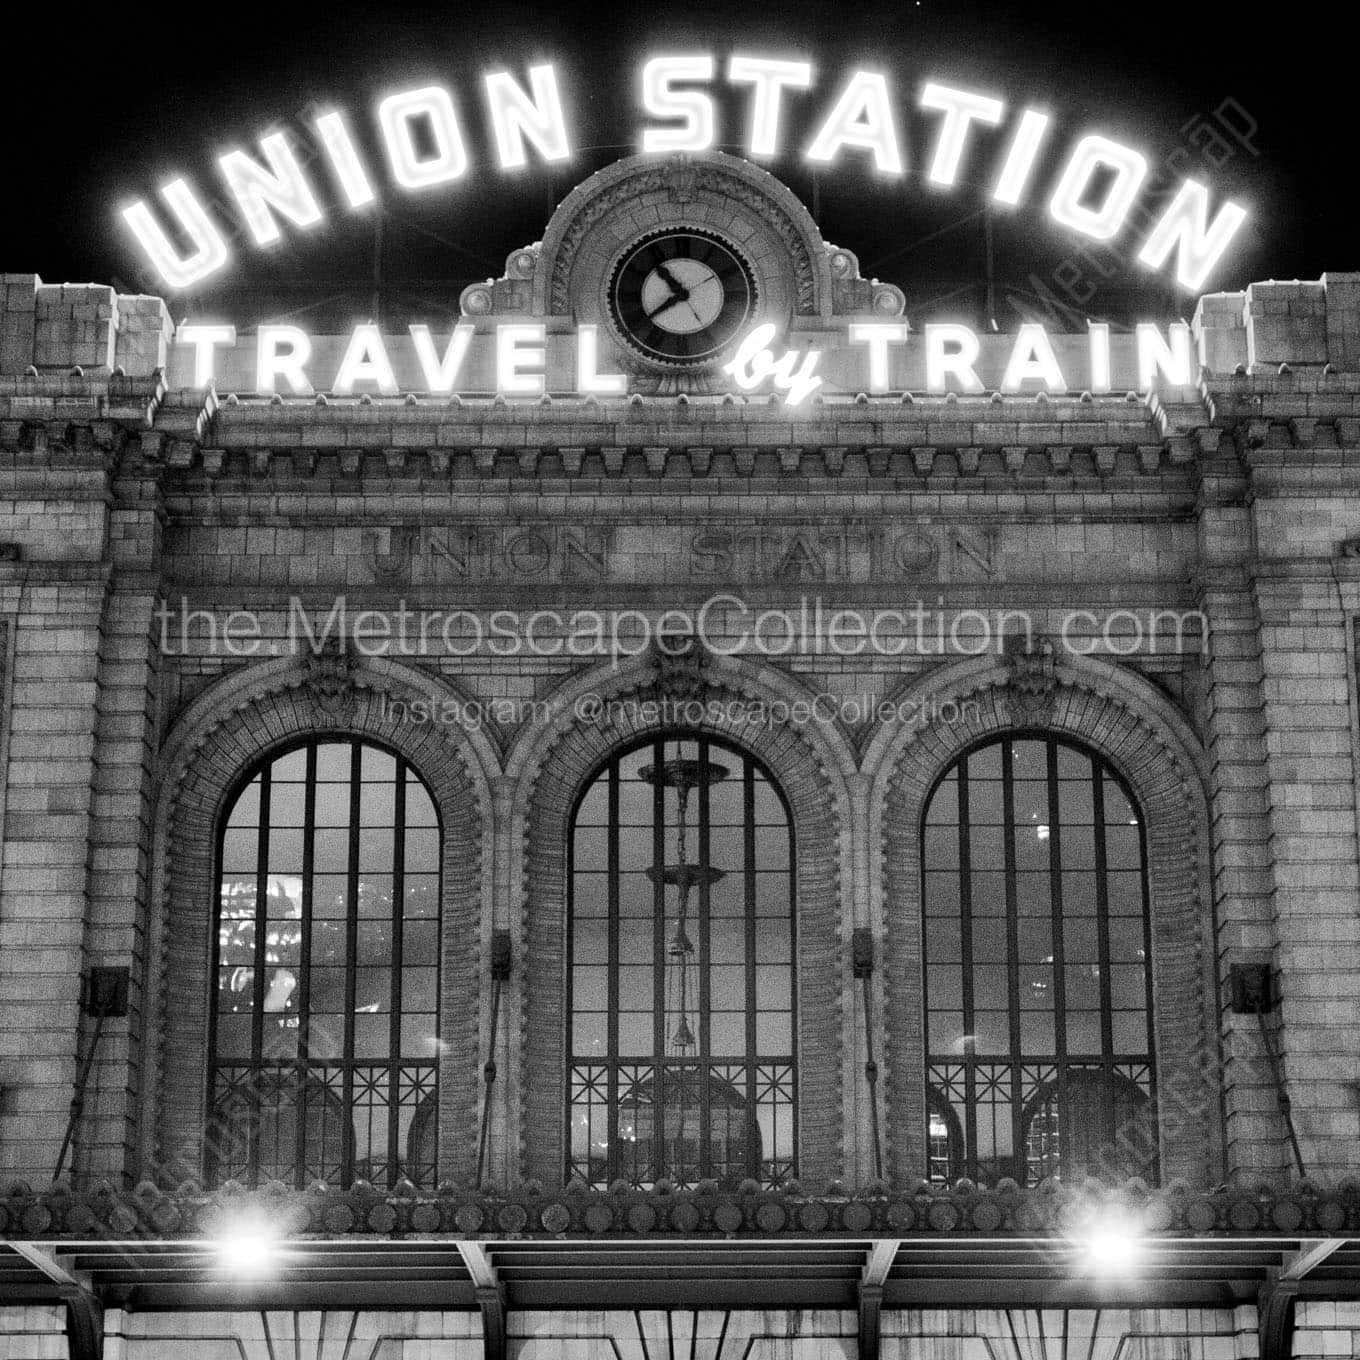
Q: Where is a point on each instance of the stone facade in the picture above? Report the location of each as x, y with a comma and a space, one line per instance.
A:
129, 498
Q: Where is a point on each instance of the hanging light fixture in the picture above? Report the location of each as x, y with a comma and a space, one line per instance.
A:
684, 775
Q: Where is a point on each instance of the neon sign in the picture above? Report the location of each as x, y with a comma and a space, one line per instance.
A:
861, 120
528, 360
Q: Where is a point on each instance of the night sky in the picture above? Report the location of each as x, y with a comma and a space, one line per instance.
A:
109, 102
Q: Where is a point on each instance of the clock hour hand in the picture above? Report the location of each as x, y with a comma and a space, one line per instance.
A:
677, 288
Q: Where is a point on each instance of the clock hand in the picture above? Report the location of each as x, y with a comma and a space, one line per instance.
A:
674, 284
665, 306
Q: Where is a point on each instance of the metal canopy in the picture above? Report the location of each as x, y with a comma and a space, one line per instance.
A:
961, 1271
577, 1249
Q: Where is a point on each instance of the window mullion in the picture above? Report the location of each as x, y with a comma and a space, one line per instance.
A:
748, 850
704, 1064
351, 962
612, 1159
305, 966
659, 1074
394, 1030
258, 981
1012, 956
969, 1000
1103, 939
1055, 865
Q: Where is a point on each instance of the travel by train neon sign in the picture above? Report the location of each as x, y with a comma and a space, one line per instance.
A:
421, 135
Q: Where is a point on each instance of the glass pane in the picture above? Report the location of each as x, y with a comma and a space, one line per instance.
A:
420, 943
333, 761
419, 808
246, 812
287, 804
985, 803
944, 805
289, 767
240, 850
332, 805
420, 893
1029, 760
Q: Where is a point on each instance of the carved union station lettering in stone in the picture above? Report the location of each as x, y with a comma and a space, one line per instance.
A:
657, 554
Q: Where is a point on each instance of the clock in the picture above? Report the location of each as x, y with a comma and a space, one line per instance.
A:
681, 297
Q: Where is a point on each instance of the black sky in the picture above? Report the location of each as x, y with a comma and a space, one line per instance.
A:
109, 101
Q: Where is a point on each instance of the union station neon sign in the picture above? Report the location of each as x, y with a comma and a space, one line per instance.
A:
859, 117
524, 359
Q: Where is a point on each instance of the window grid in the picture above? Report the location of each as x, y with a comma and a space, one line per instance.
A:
313, 1094
1037, 978
701, 1084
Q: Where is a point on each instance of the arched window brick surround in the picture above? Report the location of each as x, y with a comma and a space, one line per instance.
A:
548, 787
229, 728
1128, 722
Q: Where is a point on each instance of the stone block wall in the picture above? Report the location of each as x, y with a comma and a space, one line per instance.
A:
1326, 1331
62, 326
116, 496
35, 1332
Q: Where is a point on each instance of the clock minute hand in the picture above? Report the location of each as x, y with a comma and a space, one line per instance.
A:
670, 302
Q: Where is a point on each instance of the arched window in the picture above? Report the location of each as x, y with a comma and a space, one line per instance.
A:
1037, 968
325, 1027
681, 1049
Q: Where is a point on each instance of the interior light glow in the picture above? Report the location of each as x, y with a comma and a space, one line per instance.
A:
588, 377
960, 108
205, 340
1088, 156
770, 78
520, 349
449, 159
692, 108
1098, 342
517, 116
1024, 151
951, 351
878, 336
1032, 359
344, 157
1184, 228
365, 360
261, 191
282, 352
861, 117
441, 374
210, 250
1170, 357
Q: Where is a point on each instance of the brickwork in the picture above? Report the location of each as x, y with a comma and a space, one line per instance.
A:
123, 490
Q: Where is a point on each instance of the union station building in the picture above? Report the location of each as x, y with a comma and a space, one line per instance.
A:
690, 870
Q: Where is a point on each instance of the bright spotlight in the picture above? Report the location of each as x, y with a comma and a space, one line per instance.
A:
248, 1248
1112, 1245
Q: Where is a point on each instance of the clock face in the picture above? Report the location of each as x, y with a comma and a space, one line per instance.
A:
681, 297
